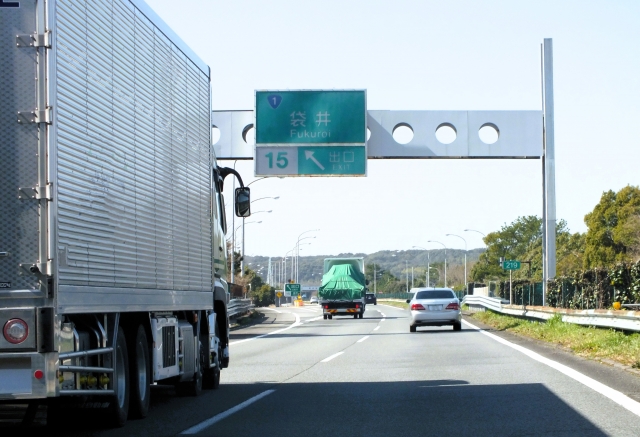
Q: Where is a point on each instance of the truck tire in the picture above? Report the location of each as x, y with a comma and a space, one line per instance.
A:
211, 376
119, 408
330, 316
360, 315
324, 316
355, 316
140, 374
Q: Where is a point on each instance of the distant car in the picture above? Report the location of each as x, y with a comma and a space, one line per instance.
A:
313, 299
434, 307
371, 298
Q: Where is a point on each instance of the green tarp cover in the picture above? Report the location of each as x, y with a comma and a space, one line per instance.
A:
342, 282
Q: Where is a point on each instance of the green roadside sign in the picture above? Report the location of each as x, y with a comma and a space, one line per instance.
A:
293, 288
511, 265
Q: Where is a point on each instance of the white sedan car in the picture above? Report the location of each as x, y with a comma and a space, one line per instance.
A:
313, 299
434, 307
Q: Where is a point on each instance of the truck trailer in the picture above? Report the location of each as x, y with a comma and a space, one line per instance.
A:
112, 251
343, 288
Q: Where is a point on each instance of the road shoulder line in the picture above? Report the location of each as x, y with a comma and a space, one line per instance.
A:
614, 395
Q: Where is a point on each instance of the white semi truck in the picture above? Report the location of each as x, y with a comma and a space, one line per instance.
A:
112, 252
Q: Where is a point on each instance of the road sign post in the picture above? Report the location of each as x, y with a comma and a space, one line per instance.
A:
511, 265
310, 133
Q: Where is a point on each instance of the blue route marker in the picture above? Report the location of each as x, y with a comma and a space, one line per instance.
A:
274, 100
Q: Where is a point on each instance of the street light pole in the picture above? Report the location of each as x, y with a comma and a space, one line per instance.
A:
242, 253
298, 252
465, 259
428, 262
445, 260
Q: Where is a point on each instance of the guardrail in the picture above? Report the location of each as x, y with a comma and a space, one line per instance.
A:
626, 320
238, 307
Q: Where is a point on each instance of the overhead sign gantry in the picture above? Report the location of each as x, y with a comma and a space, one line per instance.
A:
519, 135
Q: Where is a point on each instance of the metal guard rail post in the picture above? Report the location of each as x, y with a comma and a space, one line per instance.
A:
238, 307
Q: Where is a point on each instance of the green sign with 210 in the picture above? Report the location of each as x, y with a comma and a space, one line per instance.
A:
337, 117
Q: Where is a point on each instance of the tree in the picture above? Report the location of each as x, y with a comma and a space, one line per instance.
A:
522, 241
612, 235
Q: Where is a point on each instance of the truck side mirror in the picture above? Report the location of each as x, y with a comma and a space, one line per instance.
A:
243, 202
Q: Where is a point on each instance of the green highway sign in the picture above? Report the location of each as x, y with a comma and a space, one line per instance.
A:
511, 265
337, 117
311, 160
292, 288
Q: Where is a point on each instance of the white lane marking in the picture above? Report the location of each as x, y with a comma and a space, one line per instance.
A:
270, 309
314, 319
362, 339
218, 417
383, 320
376, 328
331, 357
383, 314
293, 325
617, 397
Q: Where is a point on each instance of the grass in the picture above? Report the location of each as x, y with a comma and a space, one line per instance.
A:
588, 342
393, 303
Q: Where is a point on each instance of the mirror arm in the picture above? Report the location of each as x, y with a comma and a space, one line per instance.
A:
226, 171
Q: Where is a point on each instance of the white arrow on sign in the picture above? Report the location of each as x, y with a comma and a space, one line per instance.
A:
309, 155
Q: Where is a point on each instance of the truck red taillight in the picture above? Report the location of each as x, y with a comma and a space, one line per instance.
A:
15, 331
417, 307
357, 305
326, 307
453, 306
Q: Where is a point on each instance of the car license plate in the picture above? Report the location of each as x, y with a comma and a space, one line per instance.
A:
435, 307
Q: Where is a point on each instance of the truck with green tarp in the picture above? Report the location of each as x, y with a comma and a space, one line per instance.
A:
343, 288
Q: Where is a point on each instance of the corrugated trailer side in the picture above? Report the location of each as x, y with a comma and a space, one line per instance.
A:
131, 132
112, 261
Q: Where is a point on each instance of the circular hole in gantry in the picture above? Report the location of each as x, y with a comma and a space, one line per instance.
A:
489, 133
402, 133
446, 133
368, 134
248, 134
215, 134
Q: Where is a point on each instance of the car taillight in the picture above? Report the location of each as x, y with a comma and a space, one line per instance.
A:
417, 307
453, 306
15, 331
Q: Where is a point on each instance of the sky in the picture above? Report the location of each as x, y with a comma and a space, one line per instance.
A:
426, 55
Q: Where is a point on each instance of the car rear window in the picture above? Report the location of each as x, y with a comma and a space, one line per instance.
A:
435, 294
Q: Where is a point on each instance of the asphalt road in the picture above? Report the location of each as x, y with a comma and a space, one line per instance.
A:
296, 374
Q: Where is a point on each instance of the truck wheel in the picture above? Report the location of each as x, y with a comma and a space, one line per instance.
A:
119, 408
140, 373
330, 316
360, 315
355, 316
324, 316
211, 376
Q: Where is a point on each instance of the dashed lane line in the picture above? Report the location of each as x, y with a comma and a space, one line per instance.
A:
326, 360
218, 417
